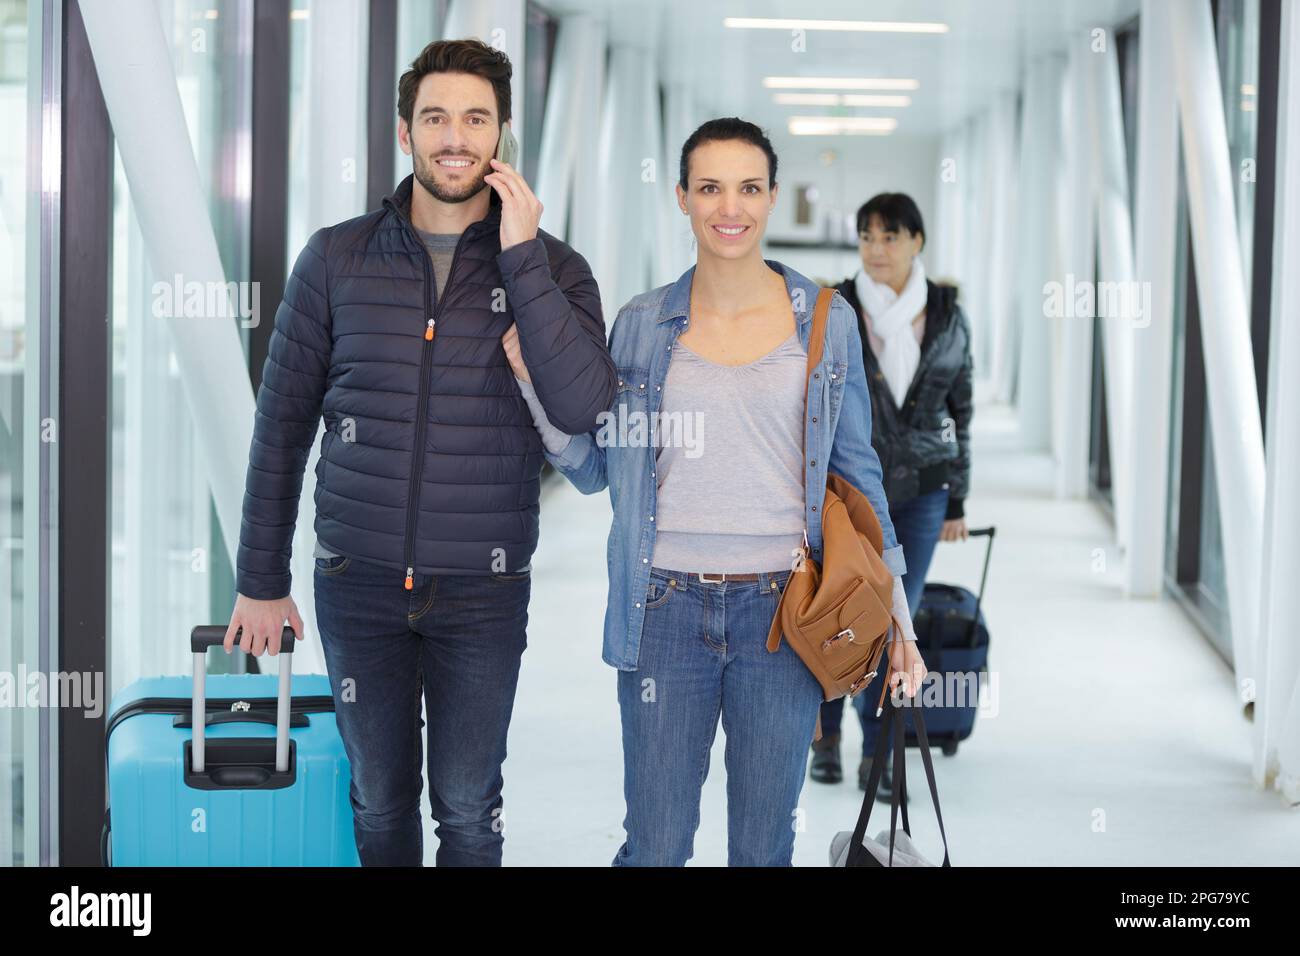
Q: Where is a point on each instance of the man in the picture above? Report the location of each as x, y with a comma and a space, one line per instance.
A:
392, 327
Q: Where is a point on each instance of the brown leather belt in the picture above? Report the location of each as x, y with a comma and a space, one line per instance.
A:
705, 577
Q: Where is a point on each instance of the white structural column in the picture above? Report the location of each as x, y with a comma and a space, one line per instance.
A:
1115, 267
572, 99
1000, 299
586, 215
941, 249
1153, 343
1277, 709
973, 265
681, 117
499, 24
136, 74
626, 157
1074, 381
1225, 324
1036, 222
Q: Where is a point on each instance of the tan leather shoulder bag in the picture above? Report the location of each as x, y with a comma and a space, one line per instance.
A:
836, 615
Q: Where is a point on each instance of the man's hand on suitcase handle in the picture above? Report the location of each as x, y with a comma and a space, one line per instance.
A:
262, 623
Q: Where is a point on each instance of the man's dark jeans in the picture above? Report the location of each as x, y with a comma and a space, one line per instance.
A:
458, 640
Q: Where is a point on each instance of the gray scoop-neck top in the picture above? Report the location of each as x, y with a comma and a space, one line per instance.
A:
729, 462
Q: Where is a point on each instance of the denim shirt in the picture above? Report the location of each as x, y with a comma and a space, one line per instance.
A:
837, 437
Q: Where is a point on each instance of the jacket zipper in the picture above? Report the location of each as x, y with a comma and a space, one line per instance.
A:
422, 400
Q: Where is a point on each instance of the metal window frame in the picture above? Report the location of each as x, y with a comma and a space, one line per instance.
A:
1261, 278
84, 397
269, 202
41, 457
381, 100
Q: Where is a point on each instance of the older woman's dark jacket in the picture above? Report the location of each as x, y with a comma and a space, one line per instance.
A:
925, 444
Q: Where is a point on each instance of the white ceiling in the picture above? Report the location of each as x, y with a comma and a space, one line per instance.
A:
982, 54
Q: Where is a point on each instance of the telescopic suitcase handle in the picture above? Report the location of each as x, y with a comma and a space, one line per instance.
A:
988, 532
211, 635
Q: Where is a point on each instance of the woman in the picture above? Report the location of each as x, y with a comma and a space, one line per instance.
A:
706, 525
918, 363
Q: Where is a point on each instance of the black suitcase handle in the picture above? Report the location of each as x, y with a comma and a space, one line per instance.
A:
240, 717
214, 635
203, 636
989, 532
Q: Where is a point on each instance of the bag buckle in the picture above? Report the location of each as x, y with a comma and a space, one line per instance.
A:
860, 683
826, 644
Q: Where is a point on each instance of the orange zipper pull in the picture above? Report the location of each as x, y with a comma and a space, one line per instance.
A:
410, 579
428, 332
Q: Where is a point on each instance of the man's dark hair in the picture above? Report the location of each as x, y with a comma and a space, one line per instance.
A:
456, 56
896, 212
730, 127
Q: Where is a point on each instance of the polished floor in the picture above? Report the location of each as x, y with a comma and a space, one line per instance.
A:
1112, 735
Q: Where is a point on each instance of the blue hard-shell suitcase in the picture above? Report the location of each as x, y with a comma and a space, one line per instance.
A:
953, 639
264, 782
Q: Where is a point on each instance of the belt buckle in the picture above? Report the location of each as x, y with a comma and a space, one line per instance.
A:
707, 580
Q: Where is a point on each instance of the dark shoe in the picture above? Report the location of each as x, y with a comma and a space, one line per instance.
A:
826, 766
886, 792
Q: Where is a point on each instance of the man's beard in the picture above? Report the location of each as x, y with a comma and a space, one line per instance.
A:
424, 175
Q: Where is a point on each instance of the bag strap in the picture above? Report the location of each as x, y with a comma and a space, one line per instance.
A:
856, 850
924, 741
889, 665
900, 783
894, 722
816, 338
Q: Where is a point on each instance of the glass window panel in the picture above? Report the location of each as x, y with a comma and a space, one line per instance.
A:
327, 116
170, 568
20, 373
1238, 38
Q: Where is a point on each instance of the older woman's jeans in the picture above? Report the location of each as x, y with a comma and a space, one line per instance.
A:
704, 656
457, 641
917, 523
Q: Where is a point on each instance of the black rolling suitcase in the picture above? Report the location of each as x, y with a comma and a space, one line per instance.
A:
953, 638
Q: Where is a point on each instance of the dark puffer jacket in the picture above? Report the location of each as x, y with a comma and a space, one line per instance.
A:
926, 443
350, 344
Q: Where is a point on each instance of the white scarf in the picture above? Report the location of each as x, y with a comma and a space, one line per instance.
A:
889, 316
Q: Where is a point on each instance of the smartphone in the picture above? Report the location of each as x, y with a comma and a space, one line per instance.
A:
508, 147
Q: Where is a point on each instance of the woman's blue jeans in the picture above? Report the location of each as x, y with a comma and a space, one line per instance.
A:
704, 657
